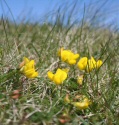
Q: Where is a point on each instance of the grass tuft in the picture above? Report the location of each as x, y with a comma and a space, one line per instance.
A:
39, 100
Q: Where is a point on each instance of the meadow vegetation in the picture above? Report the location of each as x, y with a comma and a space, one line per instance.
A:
33, 92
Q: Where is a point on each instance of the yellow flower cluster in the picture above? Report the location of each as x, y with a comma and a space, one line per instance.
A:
88, 64
28, 69
83, 64
68, 56
82, 104
61, 74
58, 77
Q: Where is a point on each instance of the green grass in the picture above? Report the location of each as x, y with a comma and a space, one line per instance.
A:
41, 101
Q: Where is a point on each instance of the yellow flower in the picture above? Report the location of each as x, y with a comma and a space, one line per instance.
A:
82, 104
80, 79
82, 64
58, 77
68, 56
91, 64
88, 64
98, 63
28, 69
25, 61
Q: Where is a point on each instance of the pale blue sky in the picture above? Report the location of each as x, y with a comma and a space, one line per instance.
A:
34, 10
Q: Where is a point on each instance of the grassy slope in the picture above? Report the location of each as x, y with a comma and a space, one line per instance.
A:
41, 101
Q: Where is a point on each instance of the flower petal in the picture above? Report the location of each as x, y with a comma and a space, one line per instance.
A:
71, 62
50, 75
26, 60
82, 63
99, 63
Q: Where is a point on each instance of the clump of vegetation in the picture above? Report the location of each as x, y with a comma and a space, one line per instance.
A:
56, 74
